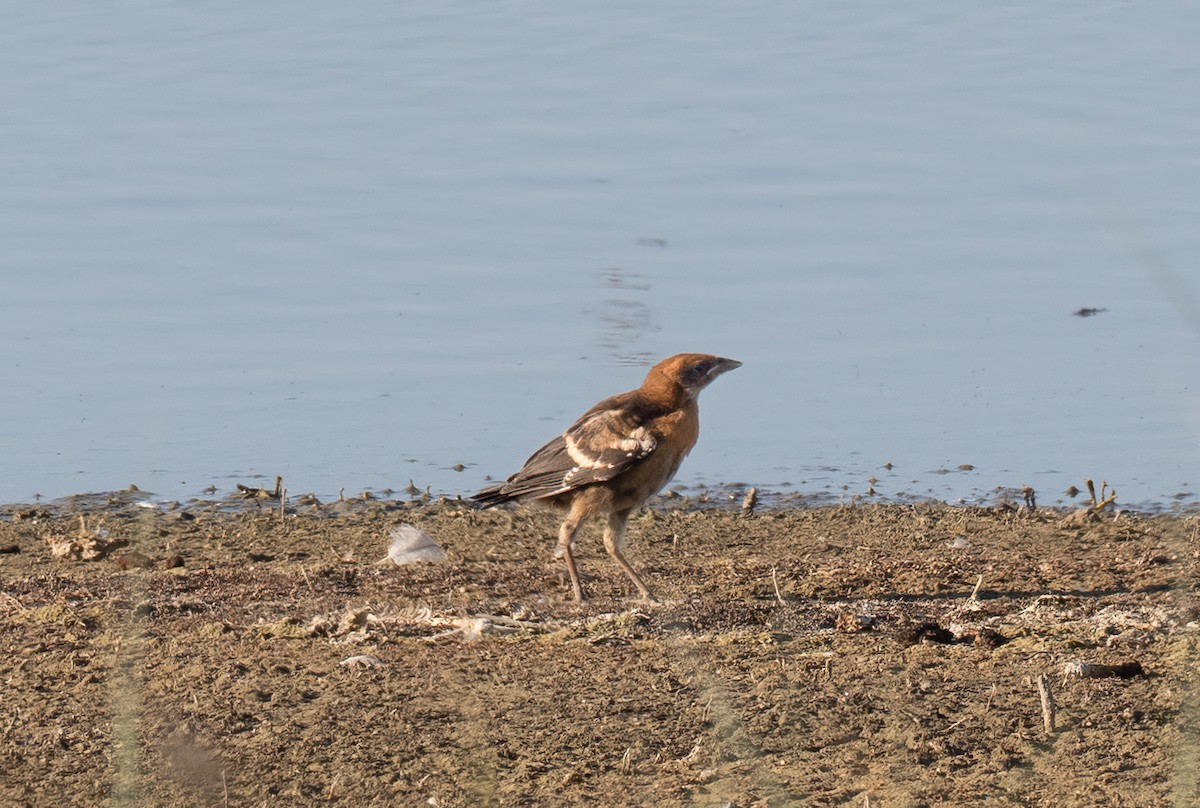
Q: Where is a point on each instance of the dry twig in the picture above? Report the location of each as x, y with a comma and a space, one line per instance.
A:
1048, 706
1101, 502
975, 592
775, 580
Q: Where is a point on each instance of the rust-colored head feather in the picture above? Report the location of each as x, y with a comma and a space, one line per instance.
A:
688, 373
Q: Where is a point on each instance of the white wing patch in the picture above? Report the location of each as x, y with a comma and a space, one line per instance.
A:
639, 443
581, 458
597, 449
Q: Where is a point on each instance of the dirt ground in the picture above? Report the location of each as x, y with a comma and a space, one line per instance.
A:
834, 655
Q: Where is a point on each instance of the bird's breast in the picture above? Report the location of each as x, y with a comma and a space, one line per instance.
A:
676, 434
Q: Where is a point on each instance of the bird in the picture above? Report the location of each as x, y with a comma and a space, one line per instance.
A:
616, 456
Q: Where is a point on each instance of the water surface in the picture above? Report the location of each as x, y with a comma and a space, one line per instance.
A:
360, 245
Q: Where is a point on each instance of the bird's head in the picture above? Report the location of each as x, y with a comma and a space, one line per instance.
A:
691, 371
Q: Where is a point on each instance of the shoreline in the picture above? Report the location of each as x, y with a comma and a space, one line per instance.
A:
727, 496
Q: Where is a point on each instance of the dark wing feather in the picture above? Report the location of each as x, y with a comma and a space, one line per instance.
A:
606, 441
542, 472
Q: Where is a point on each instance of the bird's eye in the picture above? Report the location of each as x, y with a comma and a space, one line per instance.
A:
702, 368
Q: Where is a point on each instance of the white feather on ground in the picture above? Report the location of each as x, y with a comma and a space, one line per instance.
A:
410, 545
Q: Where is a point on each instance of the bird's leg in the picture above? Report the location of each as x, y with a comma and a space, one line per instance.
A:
566, 537
614, 540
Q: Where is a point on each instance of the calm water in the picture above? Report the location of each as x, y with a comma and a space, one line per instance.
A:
355, 245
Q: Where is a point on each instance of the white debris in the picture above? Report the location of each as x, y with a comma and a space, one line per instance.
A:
472, 629
410, 545
362, 661
90, 544
1088, 670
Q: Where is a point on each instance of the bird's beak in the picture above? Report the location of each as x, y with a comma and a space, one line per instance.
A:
724, 366
716, 366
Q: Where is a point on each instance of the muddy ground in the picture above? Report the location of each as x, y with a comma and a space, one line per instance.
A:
821, 656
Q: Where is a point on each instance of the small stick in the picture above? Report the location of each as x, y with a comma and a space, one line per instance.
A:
775, 580
975, 591
1048, 707
959, 721
1101, 502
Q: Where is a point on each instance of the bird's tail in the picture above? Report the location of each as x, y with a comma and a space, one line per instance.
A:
492, 496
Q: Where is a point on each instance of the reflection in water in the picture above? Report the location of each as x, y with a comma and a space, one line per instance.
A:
625, 320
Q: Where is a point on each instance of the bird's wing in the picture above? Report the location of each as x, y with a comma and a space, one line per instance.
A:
604, 444
607, 440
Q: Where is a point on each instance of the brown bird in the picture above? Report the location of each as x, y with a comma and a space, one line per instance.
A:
616, 456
